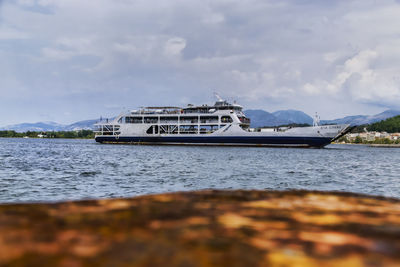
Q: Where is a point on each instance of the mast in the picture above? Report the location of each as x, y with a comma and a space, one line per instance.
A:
316, 120
219, 98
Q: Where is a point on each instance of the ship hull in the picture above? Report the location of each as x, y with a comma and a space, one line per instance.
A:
275, 141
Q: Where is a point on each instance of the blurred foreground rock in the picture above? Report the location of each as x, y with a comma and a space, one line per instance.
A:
206, 228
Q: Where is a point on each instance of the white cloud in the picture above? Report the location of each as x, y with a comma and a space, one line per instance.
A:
311, 89
57, 54
364, 80
174, 46
360, 62
126, 48
213, 18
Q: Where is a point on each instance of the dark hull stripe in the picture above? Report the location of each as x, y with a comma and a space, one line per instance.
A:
222, 140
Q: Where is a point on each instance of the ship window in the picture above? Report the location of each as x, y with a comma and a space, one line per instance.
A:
207, 129
188, 129
168, 119
226, 119
168, 129
188, 119
107, 129
209, 119
150, 119
244, 120
133, 119
152, 130
173, 129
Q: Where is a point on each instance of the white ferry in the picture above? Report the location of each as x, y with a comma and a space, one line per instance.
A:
221, 124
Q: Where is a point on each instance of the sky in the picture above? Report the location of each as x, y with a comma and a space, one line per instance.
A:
71, 60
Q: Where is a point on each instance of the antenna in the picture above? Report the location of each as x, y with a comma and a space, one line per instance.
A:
218, 97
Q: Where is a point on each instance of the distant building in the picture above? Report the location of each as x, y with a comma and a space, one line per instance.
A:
372, 136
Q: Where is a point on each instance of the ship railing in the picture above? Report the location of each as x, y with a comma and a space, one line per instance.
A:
169, 121
107, 129
155, 113
208, 121
197, 111
187, 121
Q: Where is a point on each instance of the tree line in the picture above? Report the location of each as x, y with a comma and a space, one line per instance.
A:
391, 125
85, 134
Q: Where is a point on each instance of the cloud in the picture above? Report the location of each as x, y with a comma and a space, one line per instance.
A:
357, 65
8, 33
57, 54
364, 80
310, 55
174, 46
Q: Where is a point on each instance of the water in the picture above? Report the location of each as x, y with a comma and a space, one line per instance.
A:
58, 169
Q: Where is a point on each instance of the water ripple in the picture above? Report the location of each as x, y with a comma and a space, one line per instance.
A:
51, 170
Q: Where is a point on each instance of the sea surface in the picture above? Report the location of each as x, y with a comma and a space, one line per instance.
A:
38, 170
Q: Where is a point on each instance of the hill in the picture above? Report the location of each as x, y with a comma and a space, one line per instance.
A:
293, 116
260, 118
34, 127
391, 125
363, 119
81, 125
50, 126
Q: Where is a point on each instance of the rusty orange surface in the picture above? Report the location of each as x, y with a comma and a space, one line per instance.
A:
205, 228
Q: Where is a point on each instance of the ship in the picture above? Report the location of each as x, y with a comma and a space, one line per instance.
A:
221, 124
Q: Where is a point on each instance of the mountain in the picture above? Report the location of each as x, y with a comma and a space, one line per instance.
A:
50, 126
293, 116
81, 125
260, 118
353, 120
34, 127
363, 119
384, 115
391, 125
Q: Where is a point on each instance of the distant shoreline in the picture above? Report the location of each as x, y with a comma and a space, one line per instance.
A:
18, 137
81, 134
370, 145
384, 145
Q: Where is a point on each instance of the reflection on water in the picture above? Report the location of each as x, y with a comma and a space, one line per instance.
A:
55, 169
